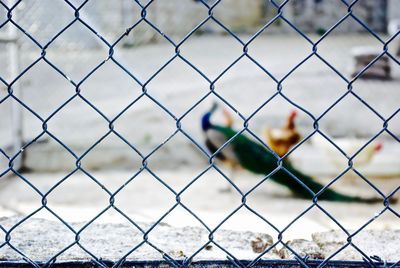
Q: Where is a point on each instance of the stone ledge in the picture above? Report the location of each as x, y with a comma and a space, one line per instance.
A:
42, 239
207, 264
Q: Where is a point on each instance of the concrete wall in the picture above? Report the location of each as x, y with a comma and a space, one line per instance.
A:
177, 18
318, 15
393, 9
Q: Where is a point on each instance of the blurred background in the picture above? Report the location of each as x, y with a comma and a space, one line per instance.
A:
112, 89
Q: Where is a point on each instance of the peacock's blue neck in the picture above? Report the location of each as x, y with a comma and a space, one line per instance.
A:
205, 121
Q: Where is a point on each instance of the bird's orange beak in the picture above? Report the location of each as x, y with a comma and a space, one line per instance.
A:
378, 147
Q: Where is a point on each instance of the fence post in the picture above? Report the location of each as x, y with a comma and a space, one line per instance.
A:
16, 109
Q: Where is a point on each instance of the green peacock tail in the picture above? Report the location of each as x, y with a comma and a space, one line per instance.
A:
257, 159
327, 194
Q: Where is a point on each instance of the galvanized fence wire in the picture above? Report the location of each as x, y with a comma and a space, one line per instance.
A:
213, 91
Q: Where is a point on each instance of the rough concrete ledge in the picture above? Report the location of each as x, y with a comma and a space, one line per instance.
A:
40, 240
213, 264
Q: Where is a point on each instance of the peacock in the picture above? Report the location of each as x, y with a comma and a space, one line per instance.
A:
245, 153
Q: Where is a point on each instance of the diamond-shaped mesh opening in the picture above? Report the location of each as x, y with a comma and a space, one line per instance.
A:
202, 203
239, 244
366, 89
190, 47
229, 15
67, 56
66, 132
143, 61
182, 131
179, 244
57, 88
113, 145
25, 204
150, 137
193, 13
166, 81
235, 80
90, 236
111, 25
71, 183
279, 213
263, 49
124, 87
333, 86
57, 14
144, 182
27, 56
192, 154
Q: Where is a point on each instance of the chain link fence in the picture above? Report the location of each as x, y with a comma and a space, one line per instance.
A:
71, 38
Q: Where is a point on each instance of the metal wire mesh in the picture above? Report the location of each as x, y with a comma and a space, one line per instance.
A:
209, 6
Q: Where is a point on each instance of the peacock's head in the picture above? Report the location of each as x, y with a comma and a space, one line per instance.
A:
205, 120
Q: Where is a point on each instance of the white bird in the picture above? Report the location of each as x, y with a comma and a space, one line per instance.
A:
350, 146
